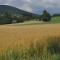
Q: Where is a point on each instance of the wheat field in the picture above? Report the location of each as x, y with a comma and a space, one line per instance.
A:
22, 36
29, 42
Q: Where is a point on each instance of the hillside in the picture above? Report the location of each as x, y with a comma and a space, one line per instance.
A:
14, 10
9, 14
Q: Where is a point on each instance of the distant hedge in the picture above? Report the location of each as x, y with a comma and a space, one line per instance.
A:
5, 21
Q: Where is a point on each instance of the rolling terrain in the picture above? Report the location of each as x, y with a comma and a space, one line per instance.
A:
14, 11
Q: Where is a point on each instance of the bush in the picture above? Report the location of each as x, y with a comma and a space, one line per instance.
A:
20, 20
5, 21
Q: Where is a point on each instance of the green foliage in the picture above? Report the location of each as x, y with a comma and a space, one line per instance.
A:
56, 15
5, 21
6, 18
20, 19
46, 16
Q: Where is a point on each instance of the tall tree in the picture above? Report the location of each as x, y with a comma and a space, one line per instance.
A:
8, 16
46, 16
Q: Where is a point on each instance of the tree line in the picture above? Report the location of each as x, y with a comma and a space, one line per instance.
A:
10, 18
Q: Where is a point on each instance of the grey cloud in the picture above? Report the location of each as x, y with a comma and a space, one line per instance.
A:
46, 3
22, 4
30, 4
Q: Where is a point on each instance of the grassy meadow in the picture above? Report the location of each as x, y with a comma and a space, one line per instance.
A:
30, 42
55, 19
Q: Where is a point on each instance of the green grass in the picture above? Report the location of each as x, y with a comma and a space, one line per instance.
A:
55, 20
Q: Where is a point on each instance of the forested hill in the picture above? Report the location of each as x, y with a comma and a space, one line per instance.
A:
14, 10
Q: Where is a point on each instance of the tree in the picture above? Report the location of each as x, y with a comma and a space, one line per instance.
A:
8, 17
40, 17
46, 16
20, 19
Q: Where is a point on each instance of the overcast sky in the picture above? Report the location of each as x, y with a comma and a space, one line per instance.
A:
30, 5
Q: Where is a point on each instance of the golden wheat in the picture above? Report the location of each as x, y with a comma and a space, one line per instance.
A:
16, 37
